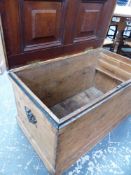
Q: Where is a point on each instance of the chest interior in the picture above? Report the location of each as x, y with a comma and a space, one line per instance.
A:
67, 84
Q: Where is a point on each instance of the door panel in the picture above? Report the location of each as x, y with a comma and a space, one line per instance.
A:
42, 21
36, 30
88, 19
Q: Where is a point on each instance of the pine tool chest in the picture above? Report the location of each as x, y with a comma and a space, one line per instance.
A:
69, 91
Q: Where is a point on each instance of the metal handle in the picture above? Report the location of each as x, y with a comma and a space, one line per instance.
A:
30, 116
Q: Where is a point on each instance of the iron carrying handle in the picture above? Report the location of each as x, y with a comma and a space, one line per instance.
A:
30, 116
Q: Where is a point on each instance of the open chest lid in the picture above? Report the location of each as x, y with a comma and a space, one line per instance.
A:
45, 29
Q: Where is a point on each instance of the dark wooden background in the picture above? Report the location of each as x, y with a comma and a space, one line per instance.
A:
43, 29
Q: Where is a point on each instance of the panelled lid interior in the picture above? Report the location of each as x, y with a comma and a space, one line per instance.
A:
45, 29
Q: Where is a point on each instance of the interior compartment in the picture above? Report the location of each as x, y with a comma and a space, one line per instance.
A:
67, 84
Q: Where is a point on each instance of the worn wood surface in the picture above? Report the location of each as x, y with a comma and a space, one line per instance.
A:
73, 103
42, 135
83, 121
80, 136
105, 82
116, 66
41, 30
73, 75
118, 57
70, 75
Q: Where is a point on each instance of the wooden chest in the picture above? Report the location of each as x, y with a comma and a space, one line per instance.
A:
67, 104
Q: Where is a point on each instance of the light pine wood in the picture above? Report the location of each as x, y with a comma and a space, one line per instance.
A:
117, 62
104, 82
57, 76
112, 56
76, 100
42, 135
94, 86
80, 136
117, 71
71, 104
80, 69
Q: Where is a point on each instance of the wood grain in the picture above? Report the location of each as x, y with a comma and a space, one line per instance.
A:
60, 74
41, 135
41, 30
75, 102
88, 94
64, 74
81, 135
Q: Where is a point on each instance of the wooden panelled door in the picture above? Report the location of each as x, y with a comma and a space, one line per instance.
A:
44, 29
42, 23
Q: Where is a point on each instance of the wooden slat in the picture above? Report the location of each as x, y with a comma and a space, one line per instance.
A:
73, 103
117, 62
104, 71
112, 55
117, 71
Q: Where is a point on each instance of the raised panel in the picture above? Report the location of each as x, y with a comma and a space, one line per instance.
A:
88, 19
36, 30
42, 24
89, 23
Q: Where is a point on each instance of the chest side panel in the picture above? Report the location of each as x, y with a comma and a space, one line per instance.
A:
80, 136
39, 131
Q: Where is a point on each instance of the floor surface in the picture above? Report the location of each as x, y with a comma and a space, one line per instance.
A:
110, 157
